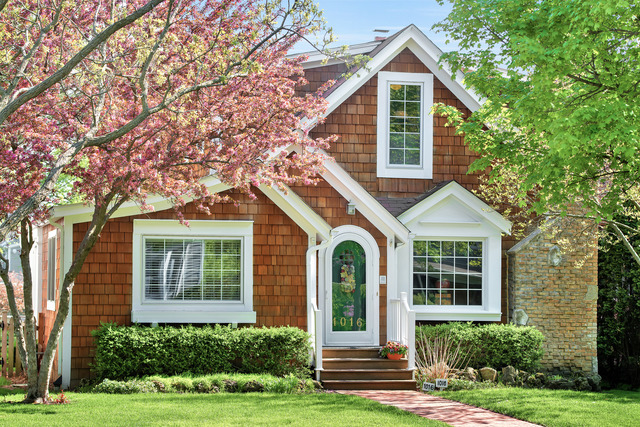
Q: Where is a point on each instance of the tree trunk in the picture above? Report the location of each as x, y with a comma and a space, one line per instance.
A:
38, 378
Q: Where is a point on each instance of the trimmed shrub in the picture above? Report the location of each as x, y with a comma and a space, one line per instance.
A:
494, 345
215, 383
125, 387
133, 351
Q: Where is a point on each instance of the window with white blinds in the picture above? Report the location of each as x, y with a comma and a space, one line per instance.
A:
192, 269
196, 273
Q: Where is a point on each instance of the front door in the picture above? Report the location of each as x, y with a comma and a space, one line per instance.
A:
351, 289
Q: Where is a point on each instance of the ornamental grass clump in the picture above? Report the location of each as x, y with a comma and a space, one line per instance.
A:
393, 347
438, 356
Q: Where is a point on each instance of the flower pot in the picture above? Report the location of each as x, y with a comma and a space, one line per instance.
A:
394, 356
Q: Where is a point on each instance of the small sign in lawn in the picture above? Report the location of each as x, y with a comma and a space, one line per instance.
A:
428, 386
442, 383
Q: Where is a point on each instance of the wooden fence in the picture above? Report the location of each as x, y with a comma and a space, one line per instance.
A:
9, 357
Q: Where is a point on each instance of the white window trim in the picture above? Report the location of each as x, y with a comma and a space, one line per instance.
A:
491, 273
197, 312
51, 304
384, 169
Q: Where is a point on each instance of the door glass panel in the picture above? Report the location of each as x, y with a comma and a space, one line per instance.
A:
349, 289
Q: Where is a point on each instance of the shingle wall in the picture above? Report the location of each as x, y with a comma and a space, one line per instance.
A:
355, 122
102, 292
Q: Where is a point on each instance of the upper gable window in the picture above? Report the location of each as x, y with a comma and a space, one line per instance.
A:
405, 127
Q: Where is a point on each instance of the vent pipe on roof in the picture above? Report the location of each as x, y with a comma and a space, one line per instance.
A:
380, 38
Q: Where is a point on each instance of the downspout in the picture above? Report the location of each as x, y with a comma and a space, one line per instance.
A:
65, 331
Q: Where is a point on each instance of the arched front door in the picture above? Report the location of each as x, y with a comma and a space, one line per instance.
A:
351, 288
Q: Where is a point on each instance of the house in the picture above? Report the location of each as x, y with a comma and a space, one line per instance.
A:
391, 235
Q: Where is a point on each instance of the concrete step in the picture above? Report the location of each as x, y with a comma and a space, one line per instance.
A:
369, 385
367, 374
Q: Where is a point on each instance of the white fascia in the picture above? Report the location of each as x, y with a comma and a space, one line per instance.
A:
415, 40
464, 196
301, 213
353, 192
82, 212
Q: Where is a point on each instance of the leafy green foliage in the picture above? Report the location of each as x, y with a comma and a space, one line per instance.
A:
493, 345
133, 351
216, 383
125, 387
619, 313
560, 83
456, 384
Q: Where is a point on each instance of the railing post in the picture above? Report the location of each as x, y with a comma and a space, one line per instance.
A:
318, 315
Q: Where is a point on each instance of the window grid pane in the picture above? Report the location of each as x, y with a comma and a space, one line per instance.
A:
405, 123
193, 270
447, 273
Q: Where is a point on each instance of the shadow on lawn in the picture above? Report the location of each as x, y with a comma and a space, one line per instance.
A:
320, 402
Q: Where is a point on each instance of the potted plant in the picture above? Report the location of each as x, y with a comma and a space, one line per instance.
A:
393, 350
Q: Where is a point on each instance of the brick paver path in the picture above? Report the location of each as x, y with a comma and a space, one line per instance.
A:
437, 408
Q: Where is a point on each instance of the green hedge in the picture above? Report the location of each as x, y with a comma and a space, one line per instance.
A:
493, 345
134, 351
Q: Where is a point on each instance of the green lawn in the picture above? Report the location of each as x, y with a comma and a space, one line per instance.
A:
557, 408
208, 409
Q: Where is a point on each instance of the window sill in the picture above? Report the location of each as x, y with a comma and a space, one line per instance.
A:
168, 316
409, 173
456, 314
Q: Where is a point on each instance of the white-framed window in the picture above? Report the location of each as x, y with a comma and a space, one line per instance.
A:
202, 273
448, 272
405, 125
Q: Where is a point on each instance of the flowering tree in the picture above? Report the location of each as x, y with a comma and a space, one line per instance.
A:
125, 99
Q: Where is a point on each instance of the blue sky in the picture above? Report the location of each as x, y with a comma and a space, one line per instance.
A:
353, 21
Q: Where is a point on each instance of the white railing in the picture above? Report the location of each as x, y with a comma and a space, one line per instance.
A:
402, 325
316, 327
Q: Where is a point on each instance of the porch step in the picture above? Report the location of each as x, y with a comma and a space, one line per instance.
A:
350, 352
358, 368
363, 363
370, 385
367, 374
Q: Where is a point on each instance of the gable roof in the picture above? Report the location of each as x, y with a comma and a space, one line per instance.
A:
397, 206
289, 202
453, 191
408, 38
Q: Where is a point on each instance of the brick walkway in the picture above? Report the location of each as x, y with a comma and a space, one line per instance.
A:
437, 408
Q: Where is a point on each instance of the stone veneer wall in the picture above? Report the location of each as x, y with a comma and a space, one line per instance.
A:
561, 301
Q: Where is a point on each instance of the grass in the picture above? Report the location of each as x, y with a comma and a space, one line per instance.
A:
252, 409
557, 408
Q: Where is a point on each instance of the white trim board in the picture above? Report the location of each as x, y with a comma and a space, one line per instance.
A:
373, 211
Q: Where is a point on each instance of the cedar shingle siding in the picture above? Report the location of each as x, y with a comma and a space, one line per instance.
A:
102, 292
355, 121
